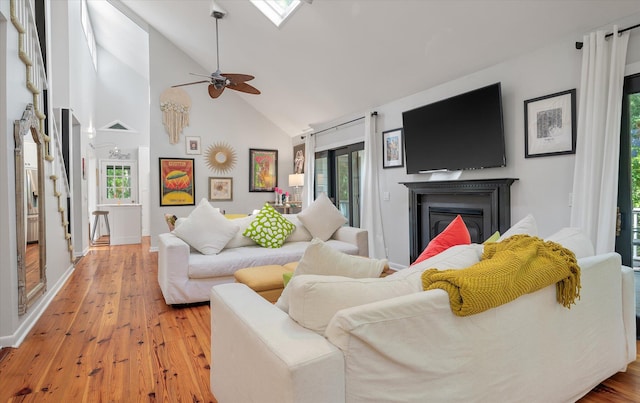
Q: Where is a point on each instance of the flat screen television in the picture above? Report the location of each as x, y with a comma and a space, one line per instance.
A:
461, 132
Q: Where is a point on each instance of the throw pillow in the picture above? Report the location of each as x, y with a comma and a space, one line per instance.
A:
526, 226
322, 218
456, 257
315, 299
319, 258
239, 239
456, 233
300, 234
269, 228
493, 238
575, 240
206, 229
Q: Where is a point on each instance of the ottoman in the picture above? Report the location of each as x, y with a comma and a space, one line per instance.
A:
265, 280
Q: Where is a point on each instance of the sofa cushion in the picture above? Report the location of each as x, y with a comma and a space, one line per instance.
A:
206, 229
456, 233
320, 258
322, 218
239, 239
269, 228
300, 234
314, 299
575, 240
228, 261
526, 226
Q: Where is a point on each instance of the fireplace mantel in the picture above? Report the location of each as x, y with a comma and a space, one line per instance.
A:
485, 204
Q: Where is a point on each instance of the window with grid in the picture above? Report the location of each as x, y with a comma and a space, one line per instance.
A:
119, 182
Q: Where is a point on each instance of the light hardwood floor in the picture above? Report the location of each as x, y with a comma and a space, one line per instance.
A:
109, 336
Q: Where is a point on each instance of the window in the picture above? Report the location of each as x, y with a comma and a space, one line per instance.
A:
88, 32
276, 10
338, 173
118, 181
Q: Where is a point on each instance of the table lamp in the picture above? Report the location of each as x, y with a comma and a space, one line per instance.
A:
296, 181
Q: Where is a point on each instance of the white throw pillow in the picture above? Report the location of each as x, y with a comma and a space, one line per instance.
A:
575, 240
300, 234
322, 218
526, 226
320, 258
239, 239
456, 257
315, 299
206, 229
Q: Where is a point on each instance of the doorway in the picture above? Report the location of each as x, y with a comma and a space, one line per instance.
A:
628, 229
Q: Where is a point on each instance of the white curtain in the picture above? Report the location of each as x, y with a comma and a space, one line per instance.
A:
370, 213
309, 169
595, 182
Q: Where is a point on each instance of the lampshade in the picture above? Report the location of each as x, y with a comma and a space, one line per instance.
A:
296, 180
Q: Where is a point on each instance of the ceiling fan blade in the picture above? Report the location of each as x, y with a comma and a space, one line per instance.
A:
238, 78
215, 92
244, 87
195, 82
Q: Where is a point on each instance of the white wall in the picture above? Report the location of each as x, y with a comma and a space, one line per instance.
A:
123, 96
72, 85
226, 119
544, 184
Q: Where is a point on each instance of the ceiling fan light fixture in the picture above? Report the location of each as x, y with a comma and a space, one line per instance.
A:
219, 81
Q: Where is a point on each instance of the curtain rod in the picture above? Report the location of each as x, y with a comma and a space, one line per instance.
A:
579, 44
374, 113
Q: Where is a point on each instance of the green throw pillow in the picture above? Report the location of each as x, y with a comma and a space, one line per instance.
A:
286, 277
493, 238
269, 229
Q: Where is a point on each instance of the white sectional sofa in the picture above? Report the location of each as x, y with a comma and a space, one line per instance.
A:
187, 275
412, 348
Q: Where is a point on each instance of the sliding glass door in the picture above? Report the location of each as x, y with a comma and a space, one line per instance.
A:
628, 232
338, 173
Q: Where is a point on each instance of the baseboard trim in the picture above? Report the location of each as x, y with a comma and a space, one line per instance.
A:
35, 312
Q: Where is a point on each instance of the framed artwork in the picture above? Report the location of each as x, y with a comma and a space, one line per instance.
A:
298, 159
192, 144
177, 185
392, 148
550, 125
263, 170
220, 189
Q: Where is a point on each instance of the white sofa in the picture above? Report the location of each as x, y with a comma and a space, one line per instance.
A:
186, 275
412, 348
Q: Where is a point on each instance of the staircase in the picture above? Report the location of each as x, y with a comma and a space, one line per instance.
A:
23, 19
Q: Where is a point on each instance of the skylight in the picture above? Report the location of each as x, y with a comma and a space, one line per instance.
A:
276, 10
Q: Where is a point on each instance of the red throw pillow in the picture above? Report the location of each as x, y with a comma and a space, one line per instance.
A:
456, 233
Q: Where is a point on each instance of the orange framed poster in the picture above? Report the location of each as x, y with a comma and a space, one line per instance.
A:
177, 186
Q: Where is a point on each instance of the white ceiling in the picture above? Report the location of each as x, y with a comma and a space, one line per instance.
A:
334, 58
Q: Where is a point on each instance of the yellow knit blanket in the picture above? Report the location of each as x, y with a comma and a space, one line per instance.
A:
516, 266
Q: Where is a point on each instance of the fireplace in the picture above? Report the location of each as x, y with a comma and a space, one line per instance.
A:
484, 205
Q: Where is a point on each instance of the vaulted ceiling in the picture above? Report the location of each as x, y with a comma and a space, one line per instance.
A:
333, 58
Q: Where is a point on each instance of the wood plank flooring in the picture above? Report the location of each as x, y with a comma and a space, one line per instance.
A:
109, 336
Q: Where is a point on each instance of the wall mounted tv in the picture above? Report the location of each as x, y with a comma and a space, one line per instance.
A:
461, 132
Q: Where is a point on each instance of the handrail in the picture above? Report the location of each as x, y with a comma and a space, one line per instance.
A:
57, 145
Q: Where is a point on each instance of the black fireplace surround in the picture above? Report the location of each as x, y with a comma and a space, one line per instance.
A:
484, 205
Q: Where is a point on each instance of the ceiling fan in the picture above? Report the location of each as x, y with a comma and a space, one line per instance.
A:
219, 81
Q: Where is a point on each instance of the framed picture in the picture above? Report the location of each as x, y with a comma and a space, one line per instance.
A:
263, 170
192, 144
221, 189
550, 125
298, 159
177, 185
392, 149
